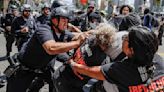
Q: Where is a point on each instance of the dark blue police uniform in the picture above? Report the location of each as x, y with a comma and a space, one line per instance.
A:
43, 19
32, 56
20, 23
10, 38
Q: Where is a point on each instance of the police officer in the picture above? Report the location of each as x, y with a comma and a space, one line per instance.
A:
7, 24
23, 26
38, 83
45, 17
1, 17
161, 30
41, 49
59, 36
84, 24
94, 19
13, 2
57, 3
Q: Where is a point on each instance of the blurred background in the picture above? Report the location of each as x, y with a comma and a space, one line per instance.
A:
157, 6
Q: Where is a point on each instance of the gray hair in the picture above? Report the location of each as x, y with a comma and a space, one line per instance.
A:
105, 33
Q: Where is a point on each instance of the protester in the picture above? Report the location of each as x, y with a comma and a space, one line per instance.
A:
126, 9
128, 21
139, 45
91, 53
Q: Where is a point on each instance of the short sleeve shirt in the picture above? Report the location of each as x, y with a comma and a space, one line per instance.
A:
32, 53
123, 74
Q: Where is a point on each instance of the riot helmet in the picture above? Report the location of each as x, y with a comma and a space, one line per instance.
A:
46, 5
26, 7
14, 10
58, 15
13, 7
60, 12
46, 9
57, 3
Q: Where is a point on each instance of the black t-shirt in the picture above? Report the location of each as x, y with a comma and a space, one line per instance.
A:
33, 54
8, 19
43, 19
92, 55
19, 23
131, 78
123, 74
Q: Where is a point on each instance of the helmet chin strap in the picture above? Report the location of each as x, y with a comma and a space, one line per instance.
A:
57, 26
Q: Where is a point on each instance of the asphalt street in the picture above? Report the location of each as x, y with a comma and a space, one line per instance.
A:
4, 63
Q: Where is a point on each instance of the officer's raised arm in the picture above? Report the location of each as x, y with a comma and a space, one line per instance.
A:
52, 47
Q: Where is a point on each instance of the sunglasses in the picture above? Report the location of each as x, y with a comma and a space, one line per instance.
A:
125, 38
91, 7
27, 10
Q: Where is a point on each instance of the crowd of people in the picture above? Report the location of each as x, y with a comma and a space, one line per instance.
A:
98, 54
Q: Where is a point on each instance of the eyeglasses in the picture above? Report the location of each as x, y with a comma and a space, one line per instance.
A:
125, 38
27, 10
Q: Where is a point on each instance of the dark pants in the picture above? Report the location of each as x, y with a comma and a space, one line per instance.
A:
20, 81
160, 37
23, 79
21, 41
65, 80
161, 29
9, 41
39, 81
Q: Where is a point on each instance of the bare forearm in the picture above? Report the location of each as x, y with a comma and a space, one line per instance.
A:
59, 47
76, 29
94, 72
63, 47
73, 28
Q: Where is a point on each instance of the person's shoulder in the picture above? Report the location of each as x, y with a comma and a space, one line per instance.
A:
121, 33
43, 27
39, 17
31, 18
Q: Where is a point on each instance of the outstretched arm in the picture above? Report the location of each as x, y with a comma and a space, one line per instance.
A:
94, 72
